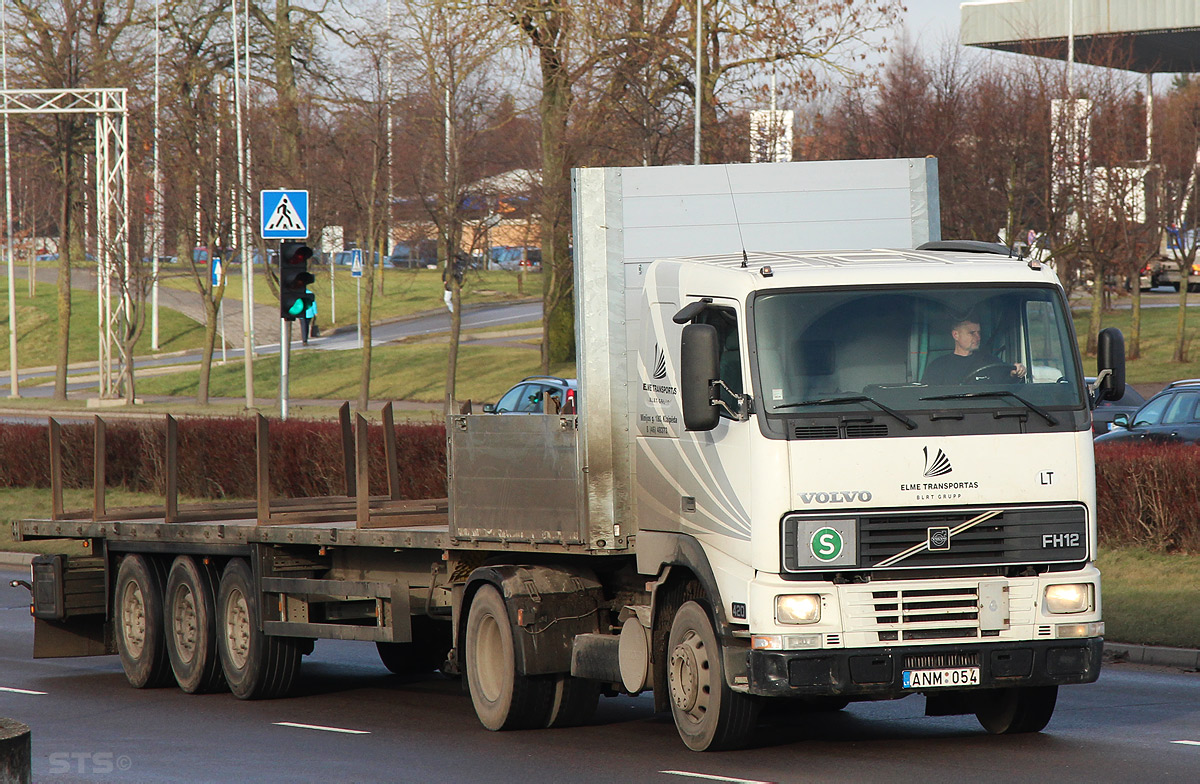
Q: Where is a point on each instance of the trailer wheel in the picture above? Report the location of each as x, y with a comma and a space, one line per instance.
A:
431, 643
709, 715
190, 613
504, 699
1015, 710
138, 619
256, 666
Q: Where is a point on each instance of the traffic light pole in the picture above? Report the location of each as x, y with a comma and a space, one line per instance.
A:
285, 351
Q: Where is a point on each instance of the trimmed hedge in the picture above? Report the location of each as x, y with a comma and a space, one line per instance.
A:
217, 460
1149, 496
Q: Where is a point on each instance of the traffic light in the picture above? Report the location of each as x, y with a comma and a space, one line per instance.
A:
294, 278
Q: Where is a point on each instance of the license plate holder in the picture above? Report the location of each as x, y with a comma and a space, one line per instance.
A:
943, 678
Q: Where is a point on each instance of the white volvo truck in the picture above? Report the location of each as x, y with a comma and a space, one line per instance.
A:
821, 476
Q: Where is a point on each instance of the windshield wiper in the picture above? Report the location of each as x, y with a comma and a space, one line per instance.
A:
829, 401
1043, 413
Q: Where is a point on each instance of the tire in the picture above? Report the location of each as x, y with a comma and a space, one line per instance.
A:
708, 714
256, 666
138, 622
504, 699
575, 701
190, 620
1015, 710
431, 643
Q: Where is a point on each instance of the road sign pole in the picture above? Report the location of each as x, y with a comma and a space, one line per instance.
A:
285, 349
221, 316
358, 309
332, 294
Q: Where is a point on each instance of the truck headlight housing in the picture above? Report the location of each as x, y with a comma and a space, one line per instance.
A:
798, 608
1068, 598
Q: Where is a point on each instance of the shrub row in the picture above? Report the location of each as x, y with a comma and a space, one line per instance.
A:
1149, 496
216, 458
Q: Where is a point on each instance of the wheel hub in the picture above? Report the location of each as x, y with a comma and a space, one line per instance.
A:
184, 623
687, 661
133, 619
237, 629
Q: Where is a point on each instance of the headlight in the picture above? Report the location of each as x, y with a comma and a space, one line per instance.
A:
803, 608
1068, 598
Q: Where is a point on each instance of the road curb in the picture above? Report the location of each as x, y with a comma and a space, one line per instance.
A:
16, 559
1157, 655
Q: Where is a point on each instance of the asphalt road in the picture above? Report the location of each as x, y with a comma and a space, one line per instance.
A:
89, 725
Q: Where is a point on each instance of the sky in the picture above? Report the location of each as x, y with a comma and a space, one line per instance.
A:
930, 22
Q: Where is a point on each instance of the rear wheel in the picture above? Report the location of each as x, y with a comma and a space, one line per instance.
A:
504, 699
256, 666
190, 614
1015, 710
138, 620
709, 715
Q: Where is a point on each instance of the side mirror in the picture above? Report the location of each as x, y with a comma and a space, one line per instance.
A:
699, 360
489, 408
1121, 420
1110, 356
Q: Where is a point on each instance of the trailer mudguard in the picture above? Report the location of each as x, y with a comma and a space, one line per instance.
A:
547, 607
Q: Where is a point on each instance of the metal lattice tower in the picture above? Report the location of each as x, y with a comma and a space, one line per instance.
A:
110, 107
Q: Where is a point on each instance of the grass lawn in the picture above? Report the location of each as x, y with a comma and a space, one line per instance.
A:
17, 503
399, 372
1157, 339
1150, 598
404, 291
37, 324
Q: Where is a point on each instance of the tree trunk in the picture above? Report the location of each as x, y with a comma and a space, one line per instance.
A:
1133, 345
1093, 336
64, 269
558, 304
206, 357
1185, 269
285, 87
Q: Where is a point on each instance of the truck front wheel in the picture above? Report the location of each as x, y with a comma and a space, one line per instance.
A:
1015, 710
504, 699
138, 617
191, 621
709, 715
256, 666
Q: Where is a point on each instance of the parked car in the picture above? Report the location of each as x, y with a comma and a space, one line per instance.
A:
1171, 416
529, 396
1107, 410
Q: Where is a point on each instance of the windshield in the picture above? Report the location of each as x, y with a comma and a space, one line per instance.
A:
910, 350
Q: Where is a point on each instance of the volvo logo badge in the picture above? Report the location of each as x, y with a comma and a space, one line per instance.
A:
938, 539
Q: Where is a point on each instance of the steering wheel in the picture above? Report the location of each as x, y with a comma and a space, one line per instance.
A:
994, 373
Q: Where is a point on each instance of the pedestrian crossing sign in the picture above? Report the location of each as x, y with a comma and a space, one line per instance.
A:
284, 214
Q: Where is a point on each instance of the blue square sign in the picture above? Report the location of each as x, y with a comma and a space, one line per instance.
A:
284, 214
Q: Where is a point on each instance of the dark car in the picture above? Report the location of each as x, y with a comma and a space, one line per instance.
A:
1171, 416
531, 394
1107, 410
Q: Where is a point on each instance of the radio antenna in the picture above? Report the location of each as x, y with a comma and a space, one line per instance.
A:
733, 201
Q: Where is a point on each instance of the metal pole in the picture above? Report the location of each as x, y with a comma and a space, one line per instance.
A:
221, 316
157, 228
696, 119
358, 317
387, 216
285, 350
1149, 117
1071, 53
332, 294
14, 389
247, 258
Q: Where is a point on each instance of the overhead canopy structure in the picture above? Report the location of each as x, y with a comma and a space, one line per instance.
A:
1147, 36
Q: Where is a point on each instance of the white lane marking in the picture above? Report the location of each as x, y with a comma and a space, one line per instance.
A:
1187, 742
21, 691
710, 777
322, 729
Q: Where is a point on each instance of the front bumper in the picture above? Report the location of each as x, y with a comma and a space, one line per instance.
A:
878, 672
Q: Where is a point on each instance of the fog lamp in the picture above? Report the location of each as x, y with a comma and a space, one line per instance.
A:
1068, 598
798, 608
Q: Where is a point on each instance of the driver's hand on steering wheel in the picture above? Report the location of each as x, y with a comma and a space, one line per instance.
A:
1019, 370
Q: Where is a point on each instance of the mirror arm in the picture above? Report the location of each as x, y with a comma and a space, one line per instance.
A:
745, 403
